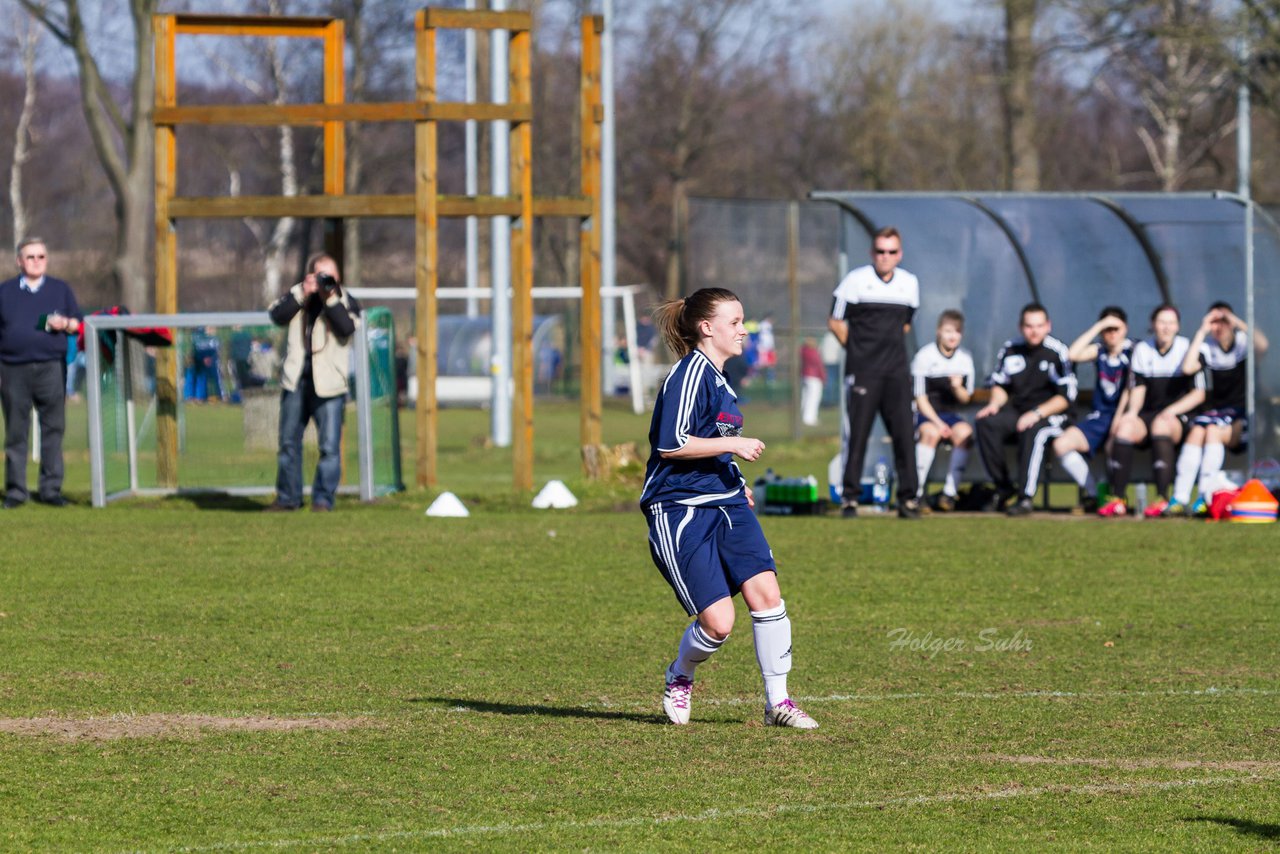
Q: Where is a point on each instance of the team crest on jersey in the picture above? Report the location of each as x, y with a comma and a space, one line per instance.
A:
729, 424
1015, 364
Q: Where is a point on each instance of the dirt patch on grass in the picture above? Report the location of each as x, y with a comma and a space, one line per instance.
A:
166, 726
1137, 764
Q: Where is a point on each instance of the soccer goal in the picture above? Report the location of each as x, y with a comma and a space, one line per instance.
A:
228, 404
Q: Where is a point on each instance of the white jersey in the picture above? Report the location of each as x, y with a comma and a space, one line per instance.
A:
1161, 373
931, 374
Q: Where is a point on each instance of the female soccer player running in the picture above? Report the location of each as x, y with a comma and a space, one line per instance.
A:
702, 534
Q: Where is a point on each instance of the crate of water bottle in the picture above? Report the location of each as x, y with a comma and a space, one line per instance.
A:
788, 496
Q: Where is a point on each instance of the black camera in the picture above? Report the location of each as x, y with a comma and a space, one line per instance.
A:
328, 284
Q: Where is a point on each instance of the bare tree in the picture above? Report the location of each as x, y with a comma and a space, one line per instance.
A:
1167, 57
1020, 54
27, 35
121, 129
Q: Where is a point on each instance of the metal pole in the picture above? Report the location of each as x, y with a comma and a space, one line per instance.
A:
93, 397
1251, 366
500, 242
364, 411
793, 288
608, 196
473, 174
1244, 170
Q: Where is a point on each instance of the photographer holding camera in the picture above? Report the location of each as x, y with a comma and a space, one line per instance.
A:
321, 318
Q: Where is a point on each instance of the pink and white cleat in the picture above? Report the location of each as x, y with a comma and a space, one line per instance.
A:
675, 699
788, 714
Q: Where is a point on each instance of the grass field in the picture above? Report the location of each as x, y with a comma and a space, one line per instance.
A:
183, 675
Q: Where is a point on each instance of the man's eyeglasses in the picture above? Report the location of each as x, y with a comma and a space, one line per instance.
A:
33, 257
887, 251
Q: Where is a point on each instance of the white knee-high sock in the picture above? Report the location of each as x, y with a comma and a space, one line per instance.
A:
1214, 456
1188, 468
1076, 466
924, 462
772, 630
959, 458
696, 646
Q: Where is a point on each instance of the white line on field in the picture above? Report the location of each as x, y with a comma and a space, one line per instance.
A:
742, 812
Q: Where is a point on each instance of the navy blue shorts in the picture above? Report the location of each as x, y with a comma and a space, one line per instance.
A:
951, 419
707, 553
1095, 426
1226, 417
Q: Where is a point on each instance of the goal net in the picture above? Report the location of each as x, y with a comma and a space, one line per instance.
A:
228, 406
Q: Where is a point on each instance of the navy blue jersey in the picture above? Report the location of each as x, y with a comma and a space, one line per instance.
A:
1113, 378
696, 401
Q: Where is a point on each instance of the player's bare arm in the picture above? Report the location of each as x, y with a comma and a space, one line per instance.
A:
697, 447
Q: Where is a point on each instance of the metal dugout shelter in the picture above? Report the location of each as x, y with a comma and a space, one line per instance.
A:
425, 204
990, 253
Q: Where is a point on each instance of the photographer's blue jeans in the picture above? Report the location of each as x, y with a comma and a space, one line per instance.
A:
296, 409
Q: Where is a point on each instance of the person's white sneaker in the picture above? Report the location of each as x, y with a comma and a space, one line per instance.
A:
789, 714
675, 699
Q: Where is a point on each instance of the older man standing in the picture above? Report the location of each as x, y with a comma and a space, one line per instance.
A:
37, 313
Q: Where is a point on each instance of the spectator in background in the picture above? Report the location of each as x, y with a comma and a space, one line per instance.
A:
943, 374
75, 364
204, 376
1031, 389
1220, 348
813, 377
1111, 360
37, 312
1155, 412
871, 313
321, 317
767, 352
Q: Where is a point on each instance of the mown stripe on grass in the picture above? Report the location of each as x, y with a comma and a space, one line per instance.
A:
714, 815
923, 695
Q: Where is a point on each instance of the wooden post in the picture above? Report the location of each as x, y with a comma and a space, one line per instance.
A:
522, 266
166, 238
335, 139
590, 118
793, 288
426, 266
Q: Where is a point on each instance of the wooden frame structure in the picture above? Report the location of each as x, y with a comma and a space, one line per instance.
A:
426, 205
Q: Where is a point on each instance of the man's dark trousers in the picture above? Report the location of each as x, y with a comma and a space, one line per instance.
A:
890, 396
996, 431
42, 384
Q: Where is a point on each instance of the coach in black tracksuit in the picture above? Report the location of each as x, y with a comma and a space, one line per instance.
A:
1031, 389
870, 314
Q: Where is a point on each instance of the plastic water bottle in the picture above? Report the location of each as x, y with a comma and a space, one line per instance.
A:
1140, 496
880, 487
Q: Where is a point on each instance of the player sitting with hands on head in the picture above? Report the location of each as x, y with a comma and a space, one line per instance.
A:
703, 537
1221, 349
1111, 360
943, 375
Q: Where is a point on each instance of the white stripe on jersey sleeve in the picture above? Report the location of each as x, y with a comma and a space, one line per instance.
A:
688, 397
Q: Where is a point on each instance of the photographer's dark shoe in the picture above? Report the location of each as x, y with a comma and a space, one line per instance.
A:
12, 503
54, 501
277, 507
1024, 507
